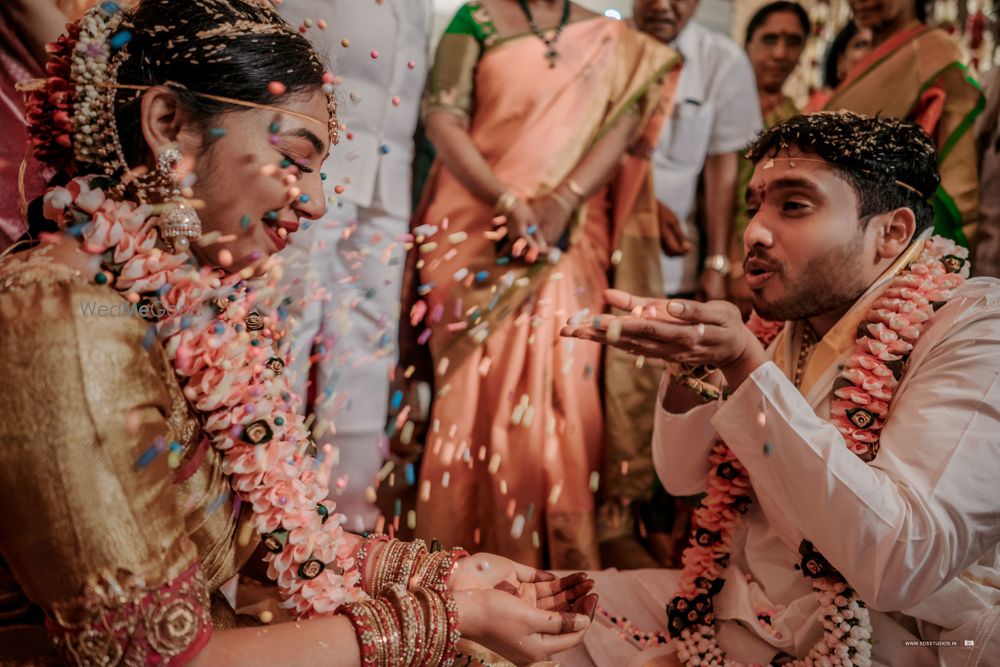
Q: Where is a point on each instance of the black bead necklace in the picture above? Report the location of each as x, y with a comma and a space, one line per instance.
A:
551, 38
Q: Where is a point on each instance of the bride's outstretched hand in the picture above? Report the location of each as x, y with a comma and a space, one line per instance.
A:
512, 627
541, 589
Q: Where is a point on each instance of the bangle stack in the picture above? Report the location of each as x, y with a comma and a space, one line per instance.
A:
409, 563
505, 203
395, 564
436, 569
402, 629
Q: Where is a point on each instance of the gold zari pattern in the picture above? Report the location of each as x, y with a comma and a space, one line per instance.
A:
101, 471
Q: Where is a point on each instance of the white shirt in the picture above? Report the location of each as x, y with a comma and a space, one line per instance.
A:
915, 532
716, 111
373, 165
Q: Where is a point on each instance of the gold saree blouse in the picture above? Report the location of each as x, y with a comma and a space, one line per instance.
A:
118, 522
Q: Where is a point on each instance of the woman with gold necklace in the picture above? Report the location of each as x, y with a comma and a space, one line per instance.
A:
531, 106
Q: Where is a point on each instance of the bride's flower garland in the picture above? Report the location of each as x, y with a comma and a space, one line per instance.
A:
862, 396
231, 374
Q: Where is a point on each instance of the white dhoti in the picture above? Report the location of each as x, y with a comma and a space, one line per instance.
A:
638, 596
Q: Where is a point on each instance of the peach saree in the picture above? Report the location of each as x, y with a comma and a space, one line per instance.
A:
516, 430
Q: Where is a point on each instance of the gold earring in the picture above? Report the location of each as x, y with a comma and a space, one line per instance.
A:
179, 223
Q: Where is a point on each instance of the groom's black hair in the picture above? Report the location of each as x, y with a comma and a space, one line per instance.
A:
890, 163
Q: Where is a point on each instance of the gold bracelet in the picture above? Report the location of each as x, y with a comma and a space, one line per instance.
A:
575, 188
383, 568
562, 201
436, 621
505, 203
688, 377
408, 562
406, 611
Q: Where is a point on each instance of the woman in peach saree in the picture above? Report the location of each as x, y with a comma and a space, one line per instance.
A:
515, 235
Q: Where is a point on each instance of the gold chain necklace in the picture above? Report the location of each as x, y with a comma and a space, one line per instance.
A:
809, 340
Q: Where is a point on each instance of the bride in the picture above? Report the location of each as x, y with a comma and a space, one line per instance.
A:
151, 448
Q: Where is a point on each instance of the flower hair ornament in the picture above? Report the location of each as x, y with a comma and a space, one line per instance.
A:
71, 113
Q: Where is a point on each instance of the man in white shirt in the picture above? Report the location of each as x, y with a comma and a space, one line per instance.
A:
716, 114
344, 273
867, 429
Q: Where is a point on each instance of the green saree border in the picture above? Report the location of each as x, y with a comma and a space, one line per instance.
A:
970, 118
875, 65
946, 210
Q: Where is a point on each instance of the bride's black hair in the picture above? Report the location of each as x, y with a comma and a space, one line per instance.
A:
225, 48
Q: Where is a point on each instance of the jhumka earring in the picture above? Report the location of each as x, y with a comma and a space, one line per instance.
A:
179, 223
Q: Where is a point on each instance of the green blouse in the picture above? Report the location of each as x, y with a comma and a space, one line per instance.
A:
451, 82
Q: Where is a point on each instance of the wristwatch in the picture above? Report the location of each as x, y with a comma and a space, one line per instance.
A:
718, 263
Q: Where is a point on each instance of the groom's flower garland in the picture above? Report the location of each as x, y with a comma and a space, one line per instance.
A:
862, 396
230, 373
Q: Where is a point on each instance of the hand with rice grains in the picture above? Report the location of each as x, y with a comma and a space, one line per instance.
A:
564, 606
521, 633
678, 331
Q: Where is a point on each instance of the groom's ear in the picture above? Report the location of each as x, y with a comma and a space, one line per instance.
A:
894, 232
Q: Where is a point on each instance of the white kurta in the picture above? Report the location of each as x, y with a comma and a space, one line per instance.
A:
717, 111
915, 532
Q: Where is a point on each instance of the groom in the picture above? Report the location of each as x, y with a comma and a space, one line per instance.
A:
867, 429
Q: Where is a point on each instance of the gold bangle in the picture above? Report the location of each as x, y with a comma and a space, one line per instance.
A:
575, 188
410, 621
436, 626
427, 575
364, 553
505, 203
425, 566
408, 563
381, 636
392, 629
563, 203
383, 568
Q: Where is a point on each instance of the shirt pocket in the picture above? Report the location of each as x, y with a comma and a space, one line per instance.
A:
690, 129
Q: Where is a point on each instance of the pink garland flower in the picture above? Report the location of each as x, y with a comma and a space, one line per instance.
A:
865, 387
223, 351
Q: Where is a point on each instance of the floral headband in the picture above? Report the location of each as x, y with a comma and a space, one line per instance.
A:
71, 113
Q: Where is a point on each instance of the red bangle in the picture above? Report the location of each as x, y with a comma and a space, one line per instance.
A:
363, 631
453, 631
365, 552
